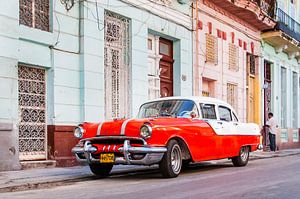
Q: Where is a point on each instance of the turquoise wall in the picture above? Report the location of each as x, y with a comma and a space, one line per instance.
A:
74, 62
279, 60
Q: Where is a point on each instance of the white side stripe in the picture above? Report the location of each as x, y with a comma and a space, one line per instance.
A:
124, 126
99, 128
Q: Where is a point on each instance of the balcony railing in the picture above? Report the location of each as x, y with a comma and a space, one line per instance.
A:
268, 6
288, 24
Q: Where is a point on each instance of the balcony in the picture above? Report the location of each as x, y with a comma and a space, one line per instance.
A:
267, 7
286, 35
288, 25
258, 13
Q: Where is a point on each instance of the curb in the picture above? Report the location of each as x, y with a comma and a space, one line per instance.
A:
69, 181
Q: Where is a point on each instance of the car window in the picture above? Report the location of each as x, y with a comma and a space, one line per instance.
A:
168, 108
208, 111
224, 113
235, 119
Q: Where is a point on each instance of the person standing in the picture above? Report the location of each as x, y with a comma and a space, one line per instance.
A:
272, 125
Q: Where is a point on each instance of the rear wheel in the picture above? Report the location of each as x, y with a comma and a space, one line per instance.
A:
243, 157
101, 170
171, 164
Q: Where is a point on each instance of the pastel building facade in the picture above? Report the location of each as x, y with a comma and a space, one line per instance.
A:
66, 62
227, 53
280, 73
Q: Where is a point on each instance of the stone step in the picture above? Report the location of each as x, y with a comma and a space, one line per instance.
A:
38, 164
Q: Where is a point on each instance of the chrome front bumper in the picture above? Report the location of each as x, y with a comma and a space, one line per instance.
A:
153, 155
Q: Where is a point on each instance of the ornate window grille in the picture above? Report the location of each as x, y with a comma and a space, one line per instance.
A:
34, 13
211, 49
233, 57
252, 65
116, 61
32, 110
205, 93
232, 95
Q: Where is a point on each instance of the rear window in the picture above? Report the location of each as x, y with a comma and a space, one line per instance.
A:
208, 111
225, 113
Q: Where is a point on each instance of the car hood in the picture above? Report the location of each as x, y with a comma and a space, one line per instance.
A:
128, 127
116, 127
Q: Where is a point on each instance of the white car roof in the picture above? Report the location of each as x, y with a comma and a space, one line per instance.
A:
196, 99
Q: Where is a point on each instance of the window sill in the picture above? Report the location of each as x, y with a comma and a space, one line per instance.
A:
36, 35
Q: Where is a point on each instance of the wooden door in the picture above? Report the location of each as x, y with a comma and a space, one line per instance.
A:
251, 99
251, 85
166, 67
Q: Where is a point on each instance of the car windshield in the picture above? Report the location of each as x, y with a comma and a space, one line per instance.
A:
168, 108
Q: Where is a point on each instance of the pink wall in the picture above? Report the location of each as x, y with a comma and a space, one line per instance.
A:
227, 23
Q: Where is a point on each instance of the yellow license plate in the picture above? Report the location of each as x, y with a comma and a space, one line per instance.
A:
107, 158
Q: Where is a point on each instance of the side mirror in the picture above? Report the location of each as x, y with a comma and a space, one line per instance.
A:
193, 114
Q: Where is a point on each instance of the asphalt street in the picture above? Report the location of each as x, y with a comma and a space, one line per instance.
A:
261, 179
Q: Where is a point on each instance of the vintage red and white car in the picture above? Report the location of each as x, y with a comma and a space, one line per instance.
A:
171, 132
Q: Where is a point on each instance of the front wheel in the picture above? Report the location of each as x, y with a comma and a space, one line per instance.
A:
171, 164
243, 157
101, 170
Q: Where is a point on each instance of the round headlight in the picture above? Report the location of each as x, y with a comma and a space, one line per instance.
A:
78, 132
146, 131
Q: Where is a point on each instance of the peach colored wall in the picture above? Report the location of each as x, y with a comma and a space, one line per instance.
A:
227, 23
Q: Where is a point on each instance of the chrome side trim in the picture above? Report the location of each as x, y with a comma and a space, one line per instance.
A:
124, 126
131, 149
99, 128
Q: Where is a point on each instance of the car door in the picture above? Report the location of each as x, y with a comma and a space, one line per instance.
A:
210, 140
228, 130
235, 123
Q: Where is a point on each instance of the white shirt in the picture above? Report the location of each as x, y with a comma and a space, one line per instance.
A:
272, 125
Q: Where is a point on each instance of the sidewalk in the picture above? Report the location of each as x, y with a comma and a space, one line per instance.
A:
48, 177
282, 153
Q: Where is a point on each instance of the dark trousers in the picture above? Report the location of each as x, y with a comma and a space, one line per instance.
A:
272, 138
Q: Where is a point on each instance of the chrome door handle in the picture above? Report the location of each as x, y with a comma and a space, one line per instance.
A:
235, 124
219, 122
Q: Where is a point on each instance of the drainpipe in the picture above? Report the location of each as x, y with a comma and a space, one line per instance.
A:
196, 67
81, 62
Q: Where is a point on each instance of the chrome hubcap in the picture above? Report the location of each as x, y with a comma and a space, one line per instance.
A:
176, 159
244, 153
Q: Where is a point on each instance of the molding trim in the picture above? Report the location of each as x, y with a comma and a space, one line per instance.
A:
6, 126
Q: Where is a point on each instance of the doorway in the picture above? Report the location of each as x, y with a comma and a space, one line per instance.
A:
32, 111
166, 67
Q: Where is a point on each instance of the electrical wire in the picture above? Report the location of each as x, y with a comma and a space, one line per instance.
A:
98, 20
138, 6
58, 24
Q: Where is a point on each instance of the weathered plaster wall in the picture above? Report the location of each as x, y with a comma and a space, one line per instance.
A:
220, 72
9, 36
279, 60
73, 55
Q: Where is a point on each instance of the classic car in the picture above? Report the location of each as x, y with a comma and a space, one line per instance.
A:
171, 132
